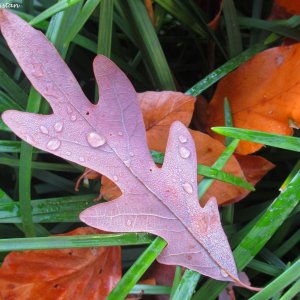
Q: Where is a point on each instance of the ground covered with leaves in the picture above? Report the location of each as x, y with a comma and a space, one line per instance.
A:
175, 138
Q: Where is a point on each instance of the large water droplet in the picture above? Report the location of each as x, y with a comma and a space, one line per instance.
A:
223, 273
58, 126
53, 144
95, 140
184, 152
188, 188
115, 178
44, 130
182, 139
73, 118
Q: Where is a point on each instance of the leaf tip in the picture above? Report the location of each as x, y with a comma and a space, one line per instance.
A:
7, 116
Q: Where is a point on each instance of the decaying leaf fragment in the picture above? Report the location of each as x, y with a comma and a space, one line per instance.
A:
110, 139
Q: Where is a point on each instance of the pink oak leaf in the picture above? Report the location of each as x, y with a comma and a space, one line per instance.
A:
110, 138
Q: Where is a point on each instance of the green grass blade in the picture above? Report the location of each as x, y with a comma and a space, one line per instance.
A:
292, 292
270, 26
233, 31
58, 167
8, 103
279, 283
258, 236
205, 183
10, 146
34, 101
105, 27
12, 89
75, 241
48, 210
150, 46
85, 13
52, 10
180, 12
291, 175
187, 285
226, 68
228, 119
176, 281
270, 139
6, 200
147, 289
136, 271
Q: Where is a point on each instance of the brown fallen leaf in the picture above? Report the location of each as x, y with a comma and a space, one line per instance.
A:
66, 274
263, 95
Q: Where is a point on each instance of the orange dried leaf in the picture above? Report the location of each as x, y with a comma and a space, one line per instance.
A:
66, 274
290, 6
263, 95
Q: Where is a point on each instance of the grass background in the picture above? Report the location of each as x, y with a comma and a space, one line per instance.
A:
179, 52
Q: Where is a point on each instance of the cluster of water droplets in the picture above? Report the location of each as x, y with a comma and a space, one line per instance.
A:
54, 143
185, 153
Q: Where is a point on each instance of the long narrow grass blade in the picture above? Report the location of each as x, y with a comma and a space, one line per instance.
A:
279, 283
205, 183
270, 139
147, 289
105, 27
12, 89
80, 241
85, 13
150, 46
137, 270
233, 31
187, 285
52, 10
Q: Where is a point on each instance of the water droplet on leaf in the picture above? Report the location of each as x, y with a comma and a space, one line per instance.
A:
115, 178
53, 144
58, 126
73, 118
81, 159
95, 140
129, 222
44, 130
120, 133
131, 154
184, 152
188, 188
182, 139
68, 153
